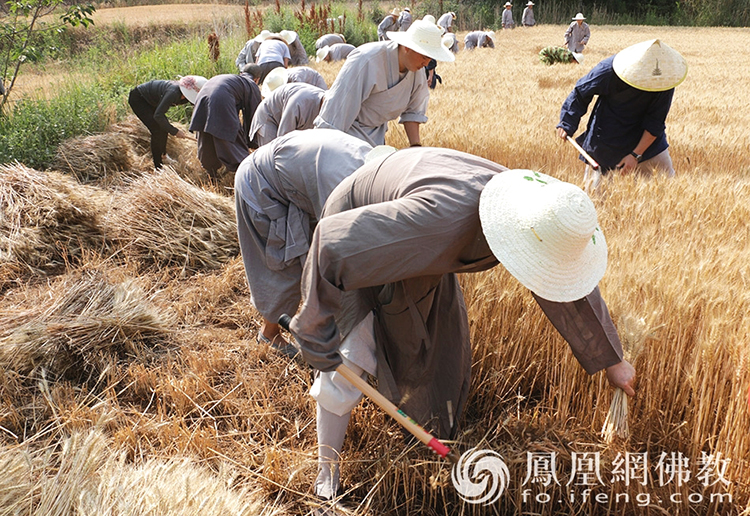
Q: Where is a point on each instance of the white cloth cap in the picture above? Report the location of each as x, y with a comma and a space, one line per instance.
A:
545, 232
650, 66
425, 38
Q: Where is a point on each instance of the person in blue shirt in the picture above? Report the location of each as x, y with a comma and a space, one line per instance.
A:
626, 130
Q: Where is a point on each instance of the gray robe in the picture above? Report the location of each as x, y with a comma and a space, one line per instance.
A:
290, 107
307, 75
247, 54
527, 19
576, 36
508, 22
478, 38
445, 21
389, 23
369, 91
328, 40
340, 51
394, 233
280, 190
404, 21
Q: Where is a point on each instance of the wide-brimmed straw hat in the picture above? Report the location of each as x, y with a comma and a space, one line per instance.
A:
396, 11
262, 36
275, 78
425, 38
545, 232
529, 4
508, 4
579, 16
578, 56
379, 151
429, 18
491, 34
288, 35
650, 66
322, 53
190, 85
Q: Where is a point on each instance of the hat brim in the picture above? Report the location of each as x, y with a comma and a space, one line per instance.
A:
438, 54
548, 271
635, 69
191, 95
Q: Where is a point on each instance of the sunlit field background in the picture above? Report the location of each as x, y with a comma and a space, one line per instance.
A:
132, 382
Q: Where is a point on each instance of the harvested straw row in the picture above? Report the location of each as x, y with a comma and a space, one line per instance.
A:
84, 476
163, 220
80, 325
46, 220
99, 158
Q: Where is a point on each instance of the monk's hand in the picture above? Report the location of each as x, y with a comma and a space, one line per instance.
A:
622, 375
181, 134
561, 133
627, 164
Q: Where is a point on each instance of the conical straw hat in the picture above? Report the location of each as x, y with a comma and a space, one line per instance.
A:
545, 232
650, 66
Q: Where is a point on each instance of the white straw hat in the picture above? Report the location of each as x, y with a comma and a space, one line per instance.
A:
650, 66
579, 16
508, 4
578, 56
425, 38
530, 3
428, 18
491, 34
190, 85
275, 78
449, 40
288, 35
262, 36
322, 53
545, 232
379, 151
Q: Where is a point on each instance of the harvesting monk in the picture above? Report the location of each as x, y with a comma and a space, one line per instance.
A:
380, 291
527, 18
577, 34
627, 127
479, 39
327, 40
222, 137
446, 20
289, 107
247, 54
507, 18
279, 192
150, 102
307, 75
273, 52
297, 52
382, 81
389, 24
333, 53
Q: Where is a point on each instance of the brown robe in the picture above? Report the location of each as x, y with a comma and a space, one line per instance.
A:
393, 235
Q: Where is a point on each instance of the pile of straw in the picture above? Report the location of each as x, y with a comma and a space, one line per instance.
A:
165, 221
85, 476
46, 220
100, 158
79, 326
182, 151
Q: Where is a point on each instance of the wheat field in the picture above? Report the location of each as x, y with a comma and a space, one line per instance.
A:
133, 385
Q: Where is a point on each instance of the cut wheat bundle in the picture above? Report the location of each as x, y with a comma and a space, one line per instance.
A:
165, 221
100, 158
182, 153
47, 219
634, 333
79, 325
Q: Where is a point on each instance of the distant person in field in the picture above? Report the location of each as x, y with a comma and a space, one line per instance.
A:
577, 35
381, 292
247, 54
336, 52
404, 19
389, 23
222, 137
527, 18
507, 18
479, 39
451, 42
329, 39
626, 129
273, 52
150, 102
280, 190
382, 81
297, 53
555, 55
307, 75
446, 21
289, 107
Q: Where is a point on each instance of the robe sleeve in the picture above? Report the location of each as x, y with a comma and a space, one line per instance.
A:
420, 96
575, 106
344, 100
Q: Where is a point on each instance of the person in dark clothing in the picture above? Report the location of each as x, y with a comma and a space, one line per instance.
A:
150, 102
432, 77
222, 138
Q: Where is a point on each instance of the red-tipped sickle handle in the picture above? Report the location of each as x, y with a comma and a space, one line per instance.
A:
391, 409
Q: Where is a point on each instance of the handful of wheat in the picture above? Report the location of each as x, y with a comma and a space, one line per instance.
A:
633, 333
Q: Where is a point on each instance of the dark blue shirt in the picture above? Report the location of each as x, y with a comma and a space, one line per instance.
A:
620, 116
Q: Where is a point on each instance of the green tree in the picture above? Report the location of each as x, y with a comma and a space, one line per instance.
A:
21, 27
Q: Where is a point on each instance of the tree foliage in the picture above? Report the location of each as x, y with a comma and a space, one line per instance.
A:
22, 31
